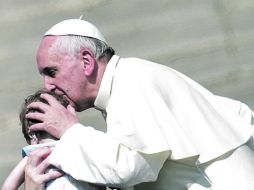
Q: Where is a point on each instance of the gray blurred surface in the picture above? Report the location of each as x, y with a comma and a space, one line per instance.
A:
210, 41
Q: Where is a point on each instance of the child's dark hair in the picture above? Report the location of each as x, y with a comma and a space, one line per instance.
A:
26, 123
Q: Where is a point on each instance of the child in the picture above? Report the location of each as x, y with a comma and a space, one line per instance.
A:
39, 139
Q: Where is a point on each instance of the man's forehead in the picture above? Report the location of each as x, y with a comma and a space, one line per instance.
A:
48, 42
46, 49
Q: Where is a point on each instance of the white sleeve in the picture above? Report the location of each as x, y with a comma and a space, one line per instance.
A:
93, 156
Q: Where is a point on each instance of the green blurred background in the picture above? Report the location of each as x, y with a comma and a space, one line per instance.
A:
211, 41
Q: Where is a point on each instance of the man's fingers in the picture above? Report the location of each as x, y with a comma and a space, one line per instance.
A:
71, 109
37, 127
35, 115
50, 99
38, 105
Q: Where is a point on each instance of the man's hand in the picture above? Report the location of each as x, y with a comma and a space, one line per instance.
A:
35, 170
55, 118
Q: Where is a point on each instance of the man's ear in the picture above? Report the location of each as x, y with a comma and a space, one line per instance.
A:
89, 61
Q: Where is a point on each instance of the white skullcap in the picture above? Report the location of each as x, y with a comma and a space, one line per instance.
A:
76, 27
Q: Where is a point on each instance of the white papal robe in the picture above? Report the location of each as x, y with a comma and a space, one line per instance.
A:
158, 121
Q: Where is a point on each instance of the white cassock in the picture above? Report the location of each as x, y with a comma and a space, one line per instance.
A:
160, 122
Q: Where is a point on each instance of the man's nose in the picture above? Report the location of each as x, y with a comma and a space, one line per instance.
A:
48, 84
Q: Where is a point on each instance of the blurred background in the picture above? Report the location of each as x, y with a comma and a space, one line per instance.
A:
211, 41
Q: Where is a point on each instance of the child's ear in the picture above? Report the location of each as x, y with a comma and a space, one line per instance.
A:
34, 140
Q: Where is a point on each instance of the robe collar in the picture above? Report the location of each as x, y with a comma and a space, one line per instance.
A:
104, 92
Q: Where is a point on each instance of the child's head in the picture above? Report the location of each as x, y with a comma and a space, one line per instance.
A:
40, 136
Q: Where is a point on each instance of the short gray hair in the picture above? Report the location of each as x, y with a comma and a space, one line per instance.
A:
72, 44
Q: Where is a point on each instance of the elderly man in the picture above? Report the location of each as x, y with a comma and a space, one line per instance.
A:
164, 131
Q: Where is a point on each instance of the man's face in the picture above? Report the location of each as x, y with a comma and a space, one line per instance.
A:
61, 72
